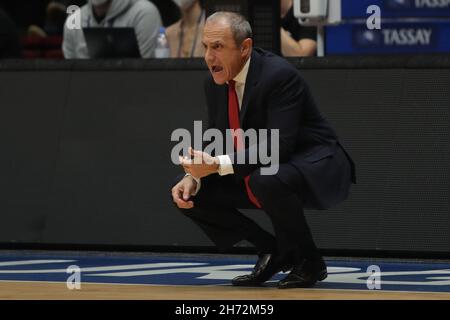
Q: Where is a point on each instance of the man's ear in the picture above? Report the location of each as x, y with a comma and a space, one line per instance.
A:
246, 47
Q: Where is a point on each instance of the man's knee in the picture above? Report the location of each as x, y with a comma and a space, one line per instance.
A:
263, 185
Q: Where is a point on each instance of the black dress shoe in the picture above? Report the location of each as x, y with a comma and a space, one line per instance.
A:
266, 267
305, 275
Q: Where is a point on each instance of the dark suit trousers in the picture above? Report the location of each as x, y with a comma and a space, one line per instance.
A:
219, 198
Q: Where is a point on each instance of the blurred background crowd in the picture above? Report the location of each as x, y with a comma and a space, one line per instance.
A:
36, 28
43, 29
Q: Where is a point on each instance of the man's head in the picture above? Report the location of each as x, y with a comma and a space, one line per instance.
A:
227, 38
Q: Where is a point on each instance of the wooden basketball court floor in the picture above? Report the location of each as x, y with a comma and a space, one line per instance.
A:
58, 291
45, 276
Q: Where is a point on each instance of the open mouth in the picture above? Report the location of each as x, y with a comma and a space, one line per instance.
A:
216, 69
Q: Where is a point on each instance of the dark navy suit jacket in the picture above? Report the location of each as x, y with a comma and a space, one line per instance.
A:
276, 97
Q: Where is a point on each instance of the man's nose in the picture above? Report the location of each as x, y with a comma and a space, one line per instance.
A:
209, 57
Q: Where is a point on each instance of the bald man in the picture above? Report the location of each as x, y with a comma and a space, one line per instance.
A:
249, 88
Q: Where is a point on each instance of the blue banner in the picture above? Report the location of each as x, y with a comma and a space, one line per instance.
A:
397, 8
393, 38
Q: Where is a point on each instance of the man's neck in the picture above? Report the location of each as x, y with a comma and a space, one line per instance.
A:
191, 15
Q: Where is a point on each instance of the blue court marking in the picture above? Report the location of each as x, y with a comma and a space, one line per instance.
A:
216, 270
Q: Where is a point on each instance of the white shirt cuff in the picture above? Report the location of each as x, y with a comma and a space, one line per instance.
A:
225, 165
197, 180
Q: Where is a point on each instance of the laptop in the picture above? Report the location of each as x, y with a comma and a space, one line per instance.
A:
111, 43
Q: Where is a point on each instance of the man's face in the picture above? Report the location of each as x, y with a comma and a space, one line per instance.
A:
224, 58
101, 7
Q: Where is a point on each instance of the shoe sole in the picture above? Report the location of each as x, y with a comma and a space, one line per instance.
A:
260, 284
321, 277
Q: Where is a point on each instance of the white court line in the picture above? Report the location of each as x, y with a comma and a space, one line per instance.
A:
31, 262
108, 268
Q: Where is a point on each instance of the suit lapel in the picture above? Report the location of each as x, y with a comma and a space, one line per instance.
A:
250, 82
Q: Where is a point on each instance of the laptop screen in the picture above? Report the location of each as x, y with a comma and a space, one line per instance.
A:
111, 43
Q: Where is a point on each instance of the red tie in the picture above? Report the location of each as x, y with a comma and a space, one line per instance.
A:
233, 117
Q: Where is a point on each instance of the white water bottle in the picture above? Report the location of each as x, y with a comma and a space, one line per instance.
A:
162, 46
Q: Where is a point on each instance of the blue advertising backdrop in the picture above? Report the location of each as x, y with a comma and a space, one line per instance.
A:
407, 26
397, 8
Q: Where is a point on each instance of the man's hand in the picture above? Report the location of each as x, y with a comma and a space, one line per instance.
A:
182, 191
201, 165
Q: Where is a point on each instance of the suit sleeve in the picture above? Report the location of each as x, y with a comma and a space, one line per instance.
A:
283, 113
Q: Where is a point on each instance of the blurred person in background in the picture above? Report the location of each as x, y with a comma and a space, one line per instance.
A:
25, 13
39, 17
9, 37
142, 15
55, 16
185, 35
296, 40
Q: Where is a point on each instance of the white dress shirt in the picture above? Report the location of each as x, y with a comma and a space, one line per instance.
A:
225, 164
